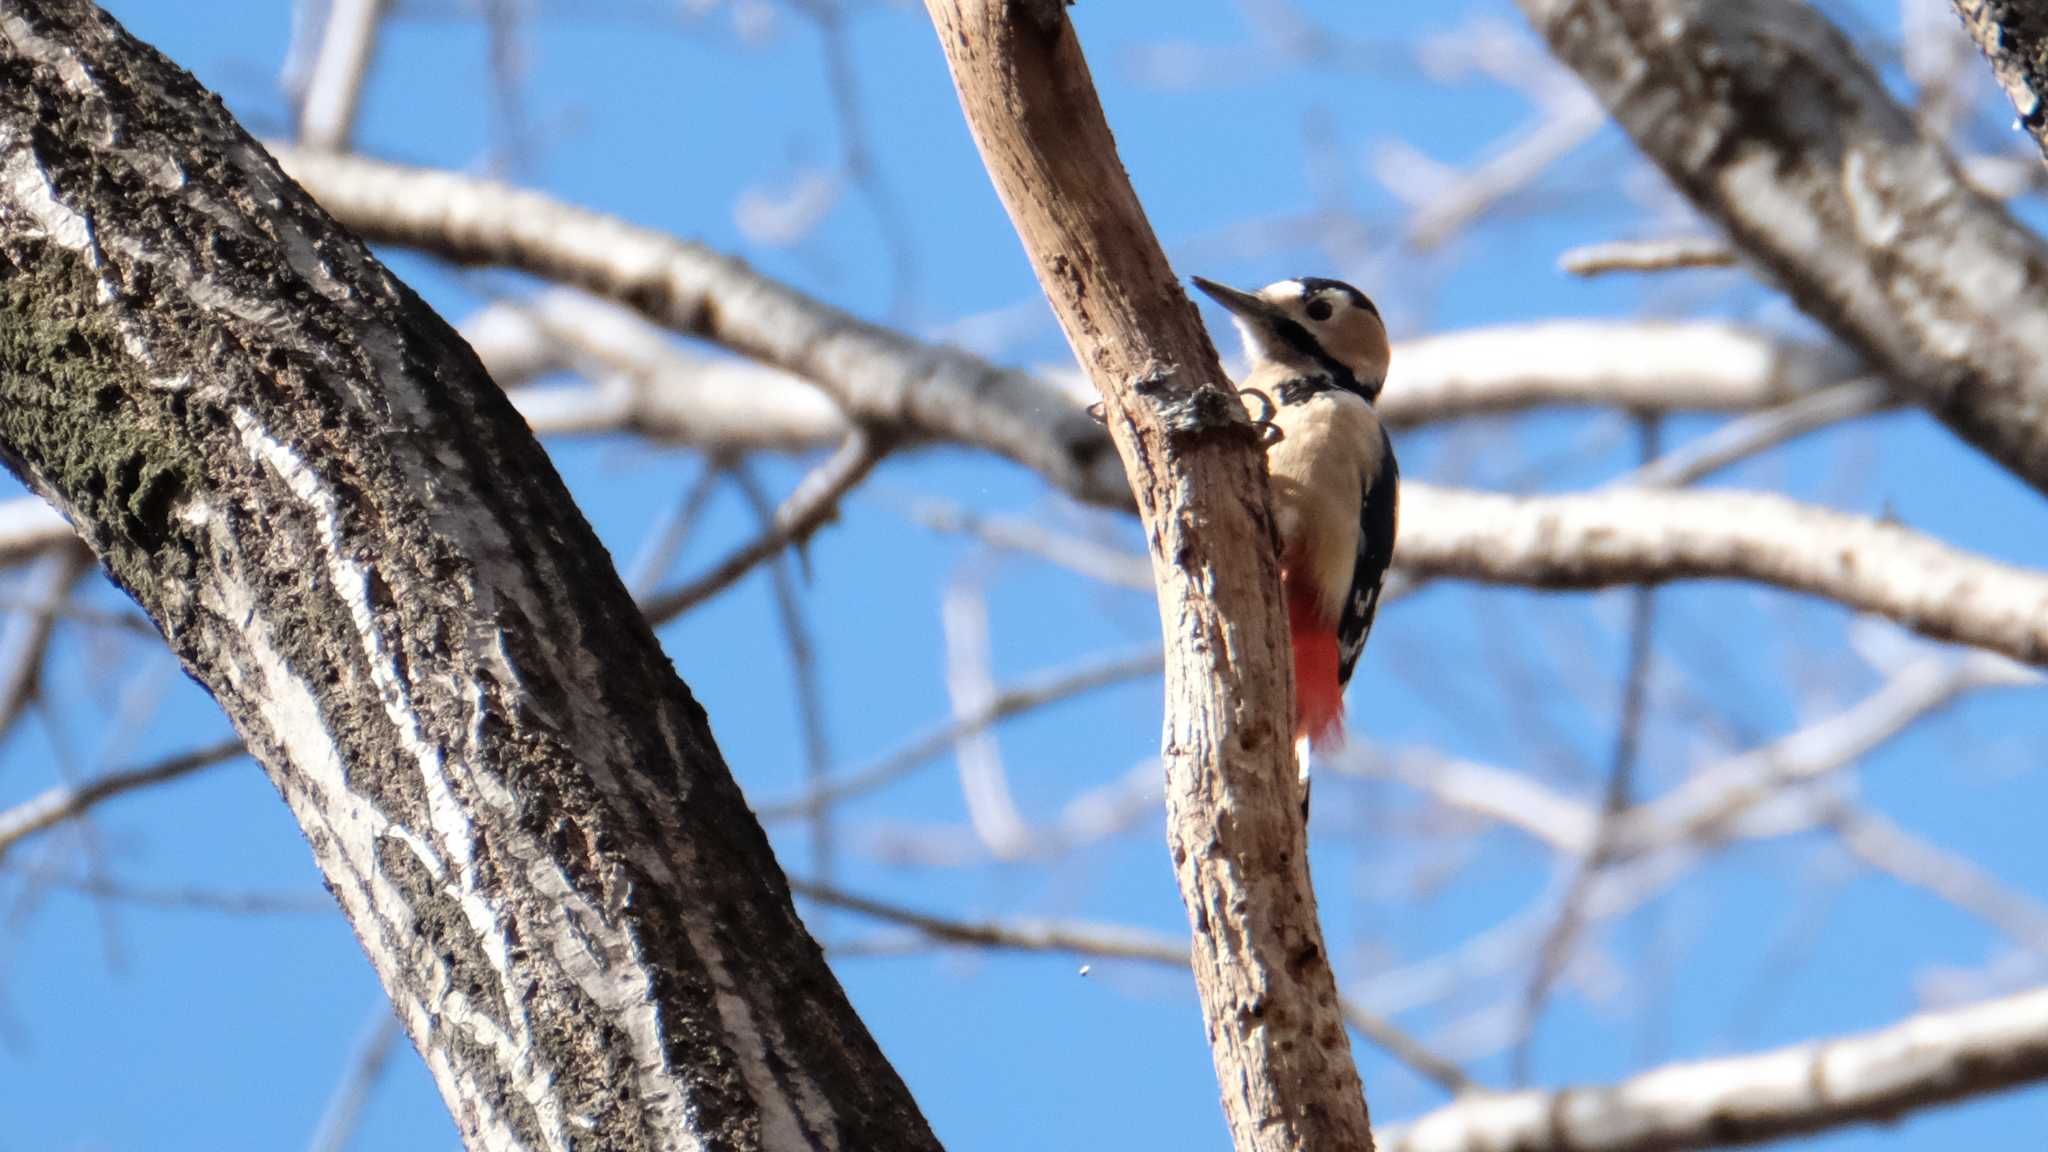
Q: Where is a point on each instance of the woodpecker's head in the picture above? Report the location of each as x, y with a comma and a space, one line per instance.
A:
1311, 324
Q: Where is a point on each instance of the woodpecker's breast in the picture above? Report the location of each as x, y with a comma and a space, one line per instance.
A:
1328, 457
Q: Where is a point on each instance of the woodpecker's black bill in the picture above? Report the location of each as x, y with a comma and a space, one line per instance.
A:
1239, 303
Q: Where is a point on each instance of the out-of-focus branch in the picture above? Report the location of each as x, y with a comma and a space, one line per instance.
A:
1626, 536
327, 115
642, 382
878, 377
1617, 800
1763, 114
1036, 693
337, 1127
810, 507
1874, 1077
1714, 799
65, 803
1746, 436
971, 685
1233, 814
2014, 38
1647, 256
1886, 847
1115, 942
29, 525
25, 638
1642, 366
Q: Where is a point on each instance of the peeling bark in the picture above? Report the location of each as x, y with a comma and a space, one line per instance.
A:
1762, 113
348, 535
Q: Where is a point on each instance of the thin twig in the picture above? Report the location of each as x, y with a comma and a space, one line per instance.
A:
1112, 942
659, 555
191, 899
1556, 949
344, 1111
28, 633
810, 701
815, 502
59, 804
1886, 847
1746, 436
1105, 563
1037, 692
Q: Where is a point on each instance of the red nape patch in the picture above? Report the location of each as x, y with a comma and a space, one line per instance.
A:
1318, 700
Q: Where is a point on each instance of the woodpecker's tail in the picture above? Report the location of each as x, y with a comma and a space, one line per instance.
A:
1318, 698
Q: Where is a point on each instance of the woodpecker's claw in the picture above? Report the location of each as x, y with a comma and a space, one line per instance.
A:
1262, 416
1097, 413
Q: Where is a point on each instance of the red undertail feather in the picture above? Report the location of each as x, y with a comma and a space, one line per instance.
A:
1318, 699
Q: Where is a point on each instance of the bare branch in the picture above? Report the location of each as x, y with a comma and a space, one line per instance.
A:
927, 392
1643, 366
803, 665
1746, 436
1233, 816
1615, 804
26, 636
878, 377
971, 686
1763, 114
66, 803
810, 507
345, 1105
645, 384
1114, 942
327, 115
1874, 1077
1623, 536
1004, 703
1647, 256
1888, 848
1106, 563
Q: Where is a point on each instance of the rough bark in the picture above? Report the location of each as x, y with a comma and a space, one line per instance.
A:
2013, 35
1276, 1031
1762, 113
350, 537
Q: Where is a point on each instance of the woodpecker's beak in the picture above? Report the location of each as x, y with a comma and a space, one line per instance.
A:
1242, 304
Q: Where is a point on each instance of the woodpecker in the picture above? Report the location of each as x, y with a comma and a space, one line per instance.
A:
1318, 353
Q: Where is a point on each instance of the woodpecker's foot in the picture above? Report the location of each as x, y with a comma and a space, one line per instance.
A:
1262, 416
1098, 413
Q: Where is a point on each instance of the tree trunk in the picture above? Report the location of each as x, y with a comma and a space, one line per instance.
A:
348, 535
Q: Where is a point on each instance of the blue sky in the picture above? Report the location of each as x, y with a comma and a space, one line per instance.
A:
132, 1026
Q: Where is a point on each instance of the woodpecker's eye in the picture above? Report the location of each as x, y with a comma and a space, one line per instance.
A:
1319, 309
